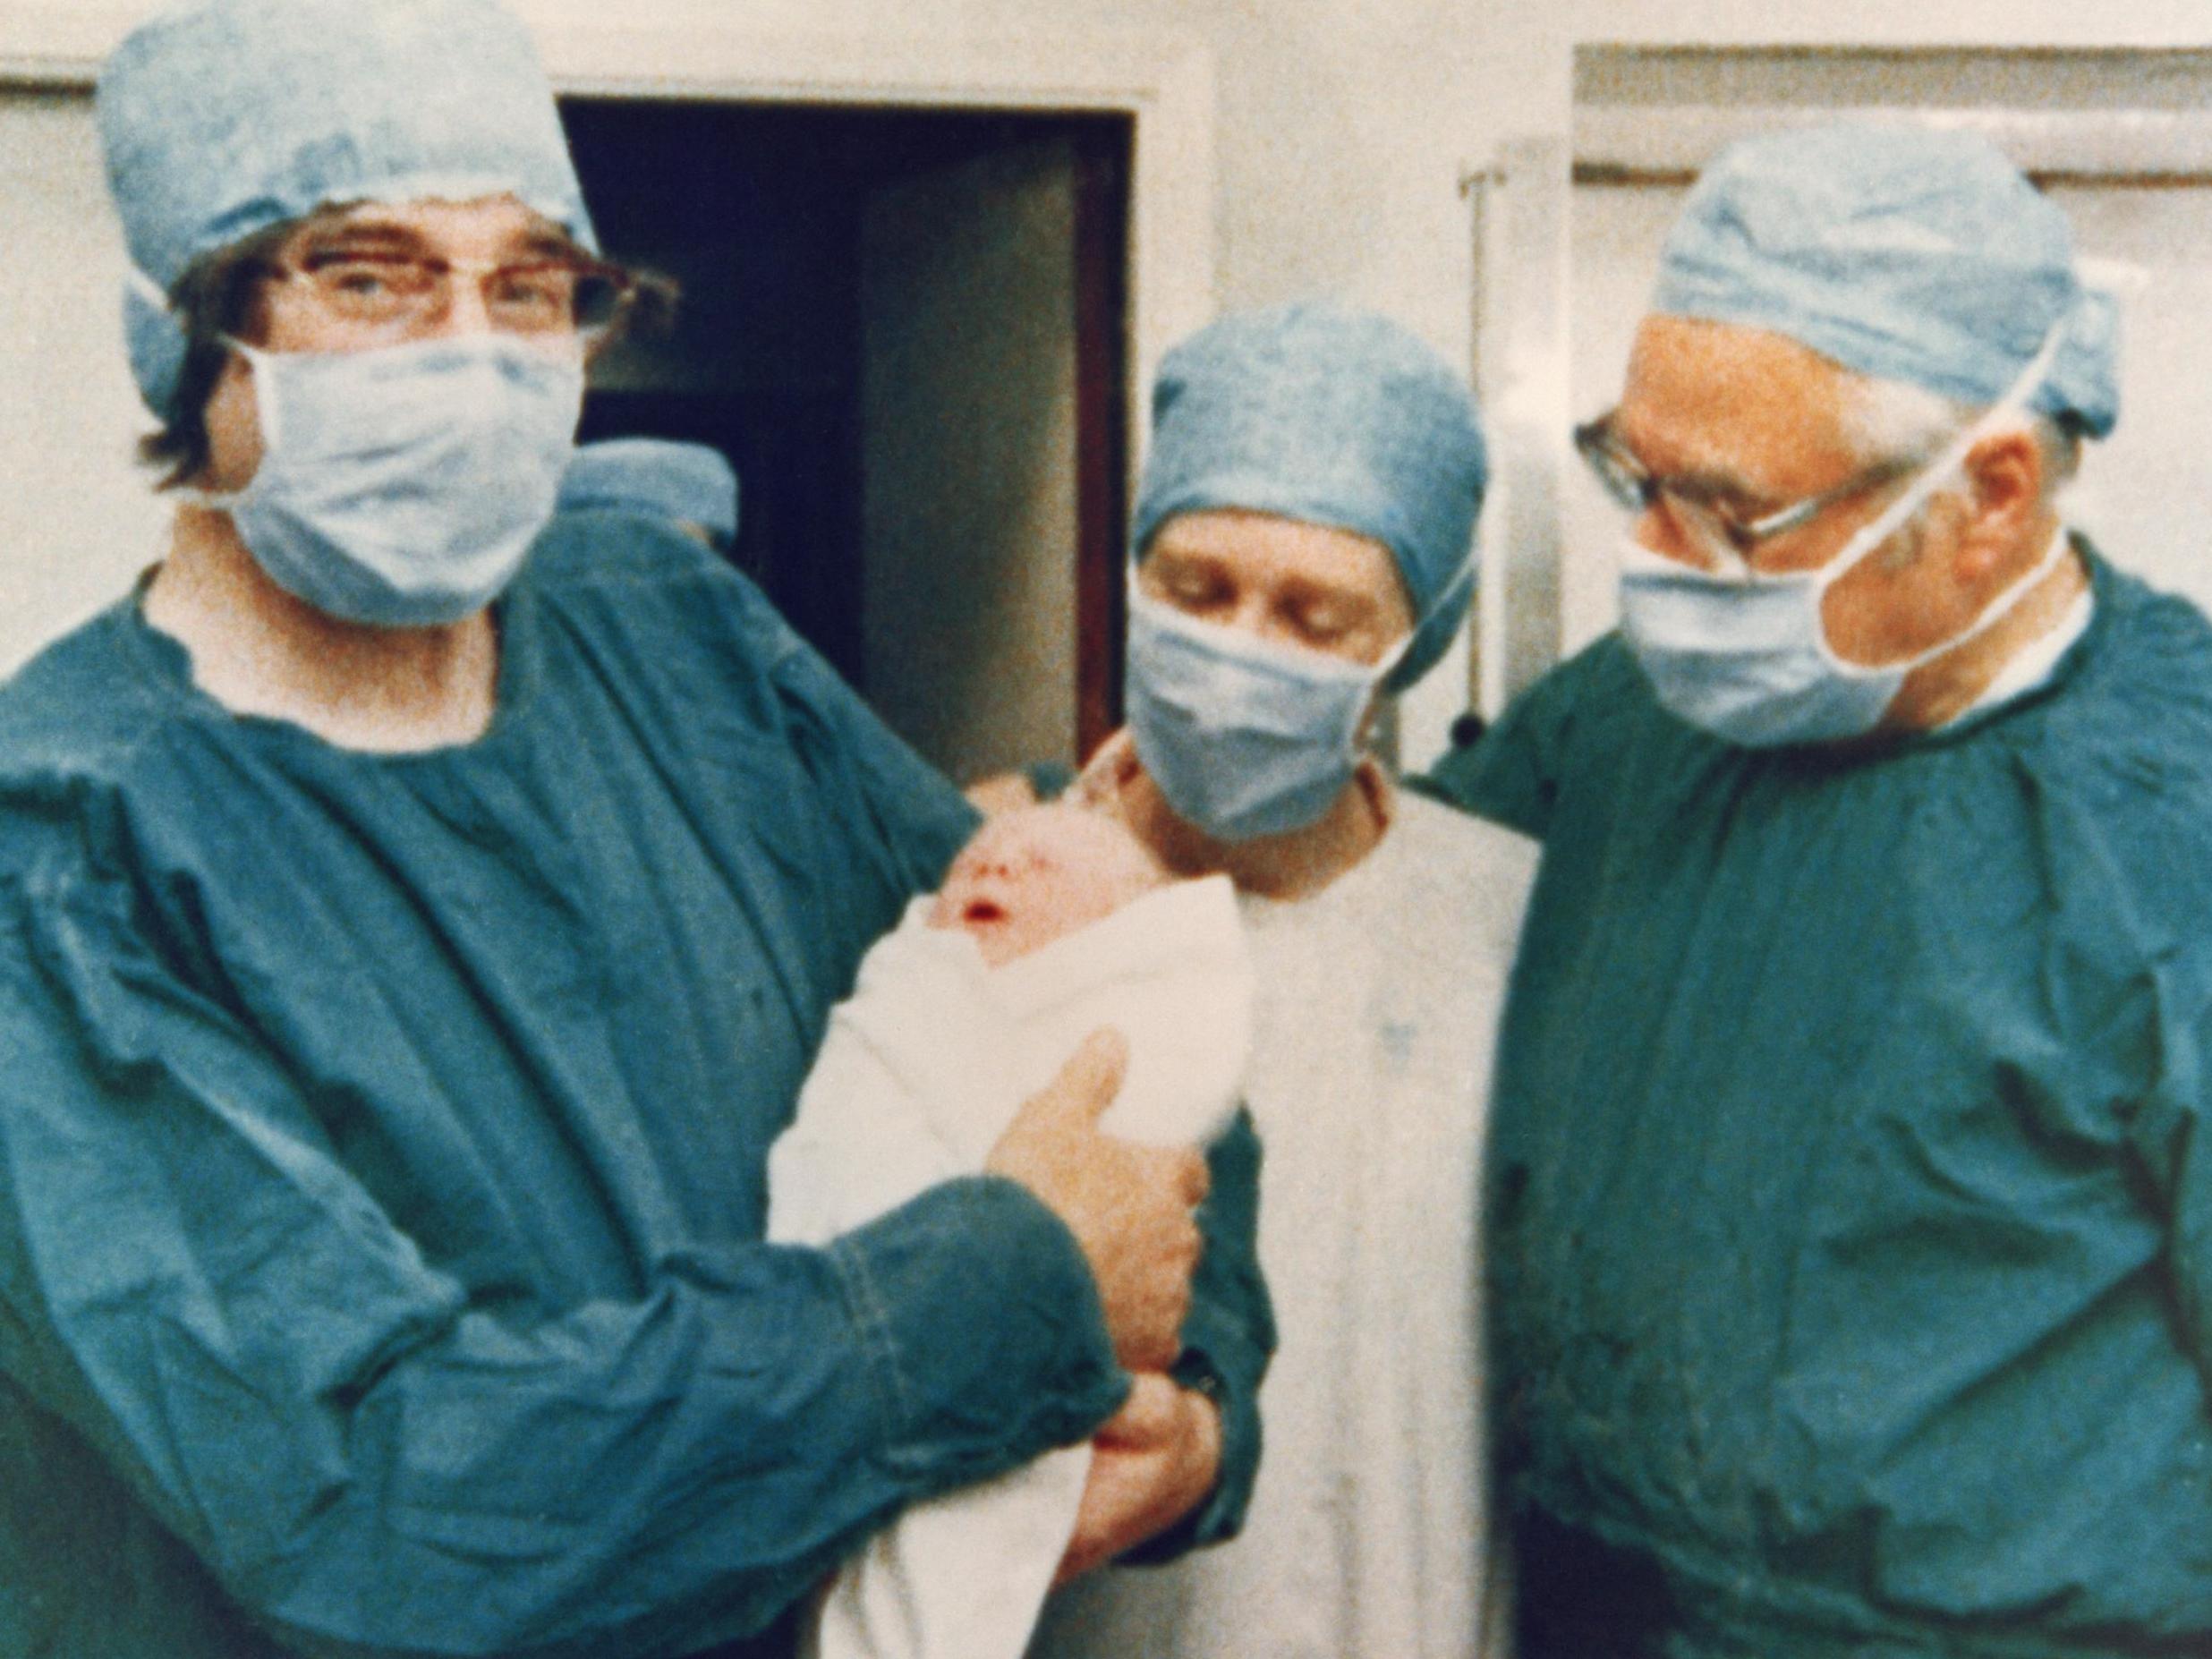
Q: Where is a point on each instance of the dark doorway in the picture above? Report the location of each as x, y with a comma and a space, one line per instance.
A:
906, 329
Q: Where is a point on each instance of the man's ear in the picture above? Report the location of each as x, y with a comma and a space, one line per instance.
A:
2004, 492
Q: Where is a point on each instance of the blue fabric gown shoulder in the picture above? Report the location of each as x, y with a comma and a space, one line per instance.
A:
1851, 1198
382, 1143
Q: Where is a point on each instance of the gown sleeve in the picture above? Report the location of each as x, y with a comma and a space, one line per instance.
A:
1512, 774
2137, 989
1228, 1337
371, 1462
895, 807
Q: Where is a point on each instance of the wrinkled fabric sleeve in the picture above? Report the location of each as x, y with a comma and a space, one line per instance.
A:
2159, 1015
1228, 1338
372, 1463
897, 808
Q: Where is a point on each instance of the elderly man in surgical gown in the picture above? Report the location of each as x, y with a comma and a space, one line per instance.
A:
1851, 1189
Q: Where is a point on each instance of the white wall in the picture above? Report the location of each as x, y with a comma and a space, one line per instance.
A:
76, 520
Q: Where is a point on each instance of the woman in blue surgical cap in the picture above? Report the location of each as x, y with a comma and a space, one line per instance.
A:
417, 915
1303, 545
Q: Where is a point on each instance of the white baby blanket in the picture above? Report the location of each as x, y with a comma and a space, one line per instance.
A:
922, 1069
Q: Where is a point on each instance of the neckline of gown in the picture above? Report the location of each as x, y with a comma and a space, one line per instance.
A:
164, 663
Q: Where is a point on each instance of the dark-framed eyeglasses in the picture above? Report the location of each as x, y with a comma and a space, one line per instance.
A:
1634, 489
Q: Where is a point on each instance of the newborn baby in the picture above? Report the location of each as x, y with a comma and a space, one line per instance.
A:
1036, 875
1052, 923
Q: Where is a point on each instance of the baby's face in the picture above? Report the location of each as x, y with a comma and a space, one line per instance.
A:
1034, 875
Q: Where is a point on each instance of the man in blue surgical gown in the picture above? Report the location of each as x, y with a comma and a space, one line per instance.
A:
415, 929
1851, 1206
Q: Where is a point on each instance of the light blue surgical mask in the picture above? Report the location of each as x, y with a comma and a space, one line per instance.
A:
1244, 738
402, 487
1744, 654
1750, 662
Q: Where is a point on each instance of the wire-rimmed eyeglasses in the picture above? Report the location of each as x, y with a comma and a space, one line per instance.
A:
1634, 489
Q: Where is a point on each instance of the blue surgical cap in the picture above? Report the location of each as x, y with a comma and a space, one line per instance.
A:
688, 482
226, 117
1331, 417
1904, 253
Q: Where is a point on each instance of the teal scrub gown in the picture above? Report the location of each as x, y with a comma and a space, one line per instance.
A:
382, 1150
1852, 1189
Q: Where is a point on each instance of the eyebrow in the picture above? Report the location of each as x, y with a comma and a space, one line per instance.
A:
1176, 553
357, 234
554, 244
379, 235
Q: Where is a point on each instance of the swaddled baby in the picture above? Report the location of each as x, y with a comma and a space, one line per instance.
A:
1052, 923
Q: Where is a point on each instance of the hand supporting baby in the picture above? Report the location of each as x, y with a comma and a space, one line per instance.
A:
1156, 1458
1128, 1206
1151, 1464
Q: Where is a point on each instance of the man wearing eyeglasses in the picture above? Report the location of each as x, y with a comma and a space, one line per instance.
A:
415, 924
1852, 1189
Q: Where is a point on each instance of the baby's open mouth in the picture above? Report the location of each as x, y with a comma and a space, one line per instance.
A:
981, 912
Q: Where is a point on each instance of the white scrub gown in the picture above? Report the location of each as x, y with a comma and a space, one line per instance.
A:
1369, 1082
